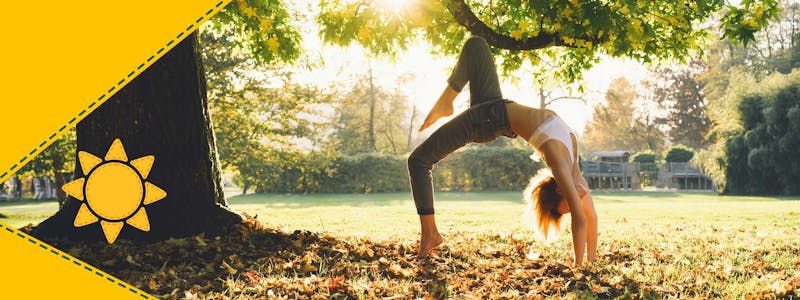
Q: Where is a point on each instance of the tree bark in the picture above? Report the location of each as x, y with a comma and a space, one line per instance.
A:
465, 17
59, 181
163, 112
17, 188
372, 145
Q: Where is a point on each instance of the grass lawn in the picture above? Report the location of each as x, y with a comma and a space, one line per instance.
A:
661, 243
393, 215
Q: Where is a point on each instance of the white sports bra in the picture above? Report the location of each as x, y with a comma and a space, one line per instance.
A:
554, 128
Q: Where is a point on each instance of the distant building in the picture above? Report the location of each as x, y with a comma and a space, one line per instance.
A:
619, 156
612, 170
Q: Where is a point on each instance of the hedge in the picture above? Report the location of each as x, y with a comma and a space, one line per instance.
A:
475, 168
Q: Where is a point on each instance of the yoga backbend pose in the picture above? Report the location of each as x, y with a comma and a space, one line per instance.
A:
489, 117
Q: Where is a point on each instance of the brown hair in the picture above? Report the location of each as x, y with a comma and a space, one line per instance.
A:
542, 209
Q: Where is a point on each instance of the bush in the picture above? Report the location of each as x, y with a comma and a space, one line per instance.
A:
366, 173
481, 168
644, 157
679, 153
476, 168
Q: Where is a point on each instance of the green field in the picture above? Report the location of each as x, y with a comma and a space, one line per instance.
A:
662, 243
392, 215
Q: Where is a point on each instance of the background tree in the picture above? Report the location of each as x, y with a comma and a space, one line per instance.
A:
615, 124
734, 73
371, 118
647, 156
259, 110
775, 48
753, 160
54, 161
678, 91
648, 169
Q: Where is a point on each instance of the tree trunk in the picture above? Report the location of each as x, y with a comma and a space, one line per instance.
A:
245, 187
17, 188
542, 102
372, 145
163, 112
60, 195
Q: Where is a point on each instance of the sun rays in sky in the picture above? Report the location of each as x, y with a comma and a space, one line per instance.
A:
114, 191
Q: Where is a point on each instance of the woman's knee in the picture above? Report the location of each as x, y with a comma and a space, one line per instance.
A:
476, 44
415, 161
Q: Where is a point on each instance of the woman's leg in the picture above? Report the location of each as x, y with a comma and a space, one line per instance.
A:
479, 124
448, 138
476, 65
442, 142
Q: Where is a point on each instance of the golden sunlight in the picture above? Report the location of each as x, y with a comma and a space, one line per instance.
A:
395, 6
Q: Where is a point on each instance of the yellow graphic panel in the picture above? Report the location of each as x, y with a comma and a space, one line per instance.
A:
61, 59
35, 270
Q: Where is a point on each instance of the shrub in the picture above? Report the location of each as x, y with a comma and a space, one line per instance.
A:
476, 168
678, 153
644, 157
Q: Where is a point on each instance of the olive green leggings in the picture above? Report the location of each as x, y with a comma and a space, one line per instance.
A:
483, 122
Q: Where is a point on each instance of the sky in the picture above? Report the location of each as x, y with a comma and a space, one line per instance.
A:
429, 73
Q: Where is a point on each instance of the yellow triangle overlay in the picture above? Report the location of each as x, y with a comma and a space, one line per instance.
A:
35, 270
62, 59
67, 59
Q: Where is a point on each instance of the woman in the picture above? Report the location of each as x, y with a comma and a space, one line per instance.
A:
489, 117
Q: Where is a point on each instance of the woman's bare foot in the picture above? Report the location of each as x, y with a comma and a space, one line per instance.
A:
427, 243
430, 237
442, 108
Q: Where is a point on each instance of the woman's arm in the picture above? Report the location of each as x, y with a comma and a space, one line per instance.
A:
560, 164
591, 216
591, 232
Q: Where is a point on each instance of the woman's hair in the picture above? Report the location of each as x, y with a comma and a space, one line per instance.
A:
542, 201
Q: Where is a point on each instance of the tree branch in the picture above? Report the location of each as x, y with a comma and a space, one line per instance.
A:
464, 16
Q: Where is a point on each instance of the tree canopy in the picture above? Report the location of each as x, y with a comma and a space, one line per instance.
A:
572, 33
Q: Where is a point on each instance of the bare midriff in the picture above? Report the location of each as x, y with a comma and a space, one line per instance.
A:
524, 120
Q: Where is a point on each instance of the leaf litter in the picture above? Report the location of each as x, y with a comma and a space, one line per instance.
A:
256, 262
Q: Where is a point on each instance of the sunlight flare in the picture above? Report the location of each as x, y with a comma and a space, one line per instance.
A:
396, 6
